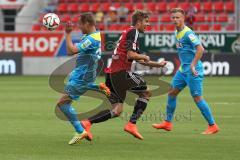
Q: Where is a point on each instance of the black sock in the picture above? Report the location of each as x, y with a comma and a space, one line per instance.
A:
102, 116
139, 108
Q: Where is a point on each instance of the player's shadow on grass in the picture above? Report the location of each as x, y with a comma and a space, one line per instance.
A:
59, 75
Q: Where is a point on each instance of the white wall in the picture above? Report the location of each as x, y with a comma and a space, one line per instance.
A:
28, 15
42, 66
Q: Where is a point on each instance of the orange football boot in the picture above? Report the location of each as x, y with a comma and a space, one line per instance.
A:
211, 129
104, 89
164, 125
87, 126
132, 129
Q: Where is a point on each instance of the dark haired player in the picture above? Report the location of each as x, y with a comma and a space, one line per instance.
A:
120, 78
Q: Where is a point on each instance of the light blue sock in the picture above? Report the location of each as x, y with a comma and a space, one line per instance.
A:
171, 106
206, 111
71, 114
93, 86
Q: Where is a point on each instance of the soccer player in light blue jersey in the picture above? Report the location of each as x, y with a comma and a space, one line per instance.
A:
190, 74
82, 78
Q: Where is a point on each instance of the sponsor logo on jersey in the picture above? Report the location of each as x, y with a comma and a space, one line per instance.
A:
86, 44
192, 37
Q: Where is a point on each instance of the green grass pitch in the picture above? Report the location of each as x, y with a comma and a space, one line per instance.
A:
29, 129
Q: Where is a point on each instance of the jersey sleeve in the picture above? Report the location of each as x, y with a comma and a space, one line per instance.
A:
84, 45
193, 39
131, 40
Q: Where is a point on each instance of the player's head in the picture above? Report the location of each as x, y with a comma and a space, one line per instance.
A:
140, 19
87, 22
178, 16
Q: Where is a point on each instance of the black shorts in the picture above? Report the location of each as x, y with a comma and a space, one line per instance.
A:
122, 81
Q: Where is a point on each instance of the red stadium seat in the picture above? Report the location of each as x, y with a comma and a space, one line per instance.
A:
65, 18
36, 27
169, 27
101, 26
139, 6
222, 18
113, 27
217, 27
161, 27
155, 28
84, 7
73, 7
204, 27
129, 6
151, 6
185, 6
80, 1
62, 7
230, 27
60, 28
124, 26
70, 1
165, 18
153, 19
172, 5
195, 27
92, 1
117, 5
210, 18
75, 19
162, 7
126, 1
207, 7
197, 5
218, 7
94, 7
200, 18
148, 28
229, 7
105, 7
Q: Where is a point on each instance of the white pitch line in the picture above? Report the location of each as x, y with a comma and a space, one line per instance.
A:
225, 103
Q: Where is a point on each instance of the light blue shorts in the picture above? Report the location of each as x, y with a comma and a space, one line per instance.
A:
181, 80
78, 83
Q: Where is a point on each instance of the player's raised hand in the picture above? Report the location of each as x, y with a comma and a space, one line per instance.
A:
194, 72
68, 27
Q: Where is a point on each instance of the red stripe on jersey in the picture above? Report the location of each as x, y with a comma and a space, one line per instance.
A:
127, 41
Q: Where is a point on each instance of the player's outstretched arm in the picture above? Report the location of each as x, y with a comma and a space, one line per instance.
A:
71, 48
153, 63
135, 56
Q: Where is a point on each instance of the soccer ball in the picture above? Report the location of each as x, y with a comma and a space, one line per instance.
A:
51, 21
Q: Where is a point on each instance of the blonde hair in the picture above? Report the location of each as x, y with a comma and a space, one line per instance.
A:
180, 10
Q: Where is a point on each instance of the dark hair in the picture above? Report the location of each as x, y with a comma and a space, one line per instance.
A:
139, 15
87, 17
175, 10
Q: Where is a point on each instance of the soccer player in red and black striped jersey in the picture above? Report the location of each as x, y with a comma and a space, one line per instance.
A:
120, 78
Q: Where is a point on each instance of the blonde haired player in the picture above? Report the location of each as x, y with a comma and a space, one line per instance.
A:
190, 73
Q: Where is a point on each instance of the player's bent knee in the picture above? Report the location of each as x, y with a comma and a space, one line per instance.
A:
116, 110
173, 92
65, 99
116, 113
146, 95
197, 98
